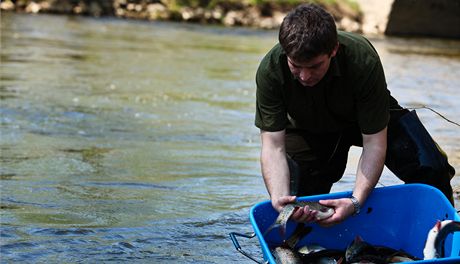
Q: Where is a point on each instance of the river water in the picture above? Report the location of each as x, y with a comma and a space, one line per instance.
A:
134, 141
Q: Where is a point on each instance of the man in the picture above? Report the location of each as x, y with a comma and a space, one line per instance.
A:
319, 92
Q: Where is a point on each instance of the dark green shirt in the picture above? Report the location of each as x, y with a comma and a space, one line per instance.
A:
353, 92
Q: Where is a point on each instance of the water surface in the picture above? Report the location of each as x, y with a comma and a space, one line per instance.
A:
134, 141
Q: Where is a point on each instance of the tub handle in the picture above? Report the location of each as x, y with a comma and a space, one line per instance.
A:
233, 236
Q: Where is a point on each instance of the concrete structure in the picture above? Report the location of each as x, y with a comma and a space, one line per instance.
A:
432, 18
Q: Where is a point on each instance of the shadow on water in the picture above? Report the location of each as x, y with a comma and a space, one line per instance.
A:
7, 176
176, 241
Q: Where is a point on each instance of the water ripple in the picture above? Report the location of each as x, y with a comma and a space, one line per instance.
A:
62, 232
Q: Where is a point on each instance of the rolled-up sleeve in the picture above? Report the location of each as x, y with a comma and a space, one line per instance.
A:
271, 112
372, 100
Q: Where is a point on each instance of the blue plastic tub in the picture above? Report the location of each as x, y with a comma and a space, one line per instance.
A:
397, 216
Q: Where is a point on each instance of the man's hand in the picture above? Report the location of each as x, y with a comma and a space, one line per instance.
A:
343, 209
301, 214
279, 203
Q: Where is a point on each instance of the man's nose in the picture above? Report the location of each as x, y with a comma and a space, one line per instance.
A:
304, 74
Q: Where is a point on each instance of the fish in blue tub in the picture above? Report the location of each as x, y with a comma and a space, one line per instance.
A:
288, 253
359, 251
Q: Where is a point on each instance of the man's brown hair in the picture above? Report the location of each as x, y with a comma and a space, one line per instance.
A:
308, 31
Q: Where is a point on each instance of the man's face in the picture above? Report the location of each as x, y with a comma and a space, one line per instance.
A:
311, 72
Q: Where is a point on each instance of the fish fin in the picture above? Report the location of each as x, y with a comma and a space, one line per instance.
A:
438, 225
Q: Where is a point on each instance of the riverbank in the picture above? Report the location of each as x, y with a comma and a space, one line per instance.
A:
250, 13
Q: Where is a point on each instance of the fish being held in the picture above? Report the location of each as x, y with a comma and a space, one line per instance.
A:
323, 212
436, 236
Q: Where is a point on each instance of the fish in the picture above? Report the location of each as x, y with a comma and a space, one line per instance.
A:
289, 253
301, 231
310, 249
326, 260
393, 256
359, 251
319, 254
312, 253
356, 248
397, 259
369, 259
288, 210
285, 255
434, 244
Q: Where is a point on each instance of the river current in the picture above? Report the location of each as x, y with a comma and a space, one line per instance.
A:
133, 141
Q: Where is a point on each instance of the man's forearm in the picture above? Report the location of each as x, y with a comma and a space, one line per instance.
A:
370, 165
274, 165
275, 172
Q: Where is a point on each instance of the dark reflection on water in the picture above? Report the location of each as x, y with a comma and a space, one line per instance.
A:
134, 141
186, 241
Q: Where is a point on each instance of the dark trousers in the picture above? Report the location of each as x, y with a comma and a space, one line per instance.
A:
316, 161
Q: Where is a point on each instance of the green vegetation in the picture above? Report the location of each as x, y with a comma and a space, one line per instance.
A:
253, 13
209, 4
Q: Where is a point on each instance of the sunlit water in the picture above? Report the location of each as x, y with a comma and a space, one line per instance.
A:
134, 141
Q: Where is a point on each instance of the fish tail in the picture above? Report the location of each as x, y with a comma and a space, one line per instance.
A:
270, 228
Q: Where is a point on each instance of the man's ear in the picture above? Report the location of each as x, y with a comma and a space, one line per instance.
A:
334, 51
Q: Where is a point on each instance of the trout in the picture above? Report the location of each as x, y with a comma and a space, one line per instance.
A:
285, 255
359, 251
323, 212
